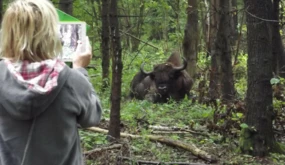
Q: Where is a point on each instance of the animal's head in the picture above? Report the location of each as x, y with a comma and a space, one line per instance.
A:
164, 75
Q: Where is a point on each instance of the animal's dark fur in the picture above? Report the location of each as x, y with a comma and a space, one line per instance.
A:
167, 80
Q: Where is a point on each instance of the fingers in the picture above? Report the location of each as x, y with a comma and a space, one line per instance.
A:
83, 53
88, 45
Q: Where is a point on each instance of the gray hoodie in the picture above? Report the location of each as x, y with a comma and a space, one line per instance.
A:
44, 128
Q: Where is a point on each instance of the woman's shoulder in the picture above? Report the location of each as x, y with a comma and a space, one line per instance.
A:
78, 78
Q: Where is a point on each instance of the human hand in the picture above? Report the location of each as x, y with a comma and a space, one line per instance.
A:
82, 55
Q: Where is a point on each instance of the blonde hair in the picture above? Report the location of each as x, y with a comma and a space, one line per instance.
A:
30, 31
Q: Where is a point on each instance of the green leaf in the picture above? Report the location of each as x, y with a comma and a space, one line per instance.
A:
274, 81
239, 115
243, 125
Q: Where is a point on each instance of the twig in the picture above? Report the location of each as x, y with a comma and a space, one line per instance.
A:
115, 146
139, 162
262, 19
139, 39
186, 146
138, 51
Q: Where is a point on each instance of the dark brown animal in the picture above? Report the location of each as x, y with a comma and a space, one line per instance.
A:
167, 80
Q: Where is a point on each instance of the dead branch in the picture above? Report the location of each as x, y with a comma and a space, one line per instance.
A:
138, 39
186, 146
115, 146
139, 162
164, 128
170, 132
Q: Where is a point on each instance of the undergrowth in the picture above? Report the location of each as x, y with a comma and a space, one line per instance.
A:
138, 115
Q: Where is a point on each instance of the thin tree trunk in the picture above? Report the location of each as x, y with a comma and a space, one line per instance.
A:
213, 24
95, 18
258, 138
223, 52
234, 22
125, 24
277, 44
105, 45
1, 11
137, 31
214, 86
66, 6
117, 66
190, 41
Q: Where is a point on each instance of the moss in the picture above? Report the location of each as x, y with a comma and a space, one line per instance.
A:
245, 141
278, 148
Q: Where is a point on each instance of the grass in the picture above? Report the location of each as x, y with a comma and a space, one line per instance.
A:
137, 116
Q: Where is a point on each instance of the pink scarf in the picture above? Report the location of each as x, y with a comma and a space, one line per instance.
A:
40, 77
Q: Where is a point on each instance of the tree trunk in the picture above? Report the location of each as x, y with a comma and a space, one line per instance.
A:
190, 41
223, 52
66, 6
1, 11
95, 19
117, 66
234, 22
277, 44
105, 44
258, 138
137, 31
214, 86
126, 24
213, 23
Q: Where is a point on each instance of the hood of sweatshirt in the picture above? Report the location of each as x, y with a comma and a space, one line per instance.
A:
27, 89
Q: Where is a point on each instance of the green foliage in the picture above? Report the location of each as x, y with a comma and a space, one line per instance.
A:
278, 158
174, 114
240, 75
90, 139
163, 26
274, 81
244, 126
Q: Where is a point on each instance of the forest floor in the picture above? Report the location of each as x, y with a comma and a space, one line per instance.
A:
213, 129
190, 123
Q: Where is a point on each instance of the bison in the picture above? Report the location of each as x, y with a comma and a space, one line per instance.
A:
167, 80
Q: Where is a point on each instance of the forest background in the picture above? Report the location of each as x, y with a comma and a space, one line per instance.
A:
235, 54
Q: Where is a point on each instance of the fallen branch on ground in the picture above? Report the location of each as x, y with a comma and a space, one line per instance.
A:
189, 147
139, 162
170, 132
164, 128
115, 146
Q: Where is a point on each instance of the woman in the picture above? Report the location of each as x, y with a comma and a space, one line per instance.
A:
42, 101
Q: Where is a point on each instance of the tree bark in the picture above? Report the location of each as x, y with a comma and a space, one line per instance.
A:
213, 23
66, 6
214, 86
117, 66
258, 138
96, 14
105, 44
191, 35
137, 31
223, 52
1, 11
234, 22
277, 44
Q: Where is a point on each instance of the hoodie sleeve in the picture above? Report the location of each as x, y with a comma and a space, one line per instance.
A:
91, 110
